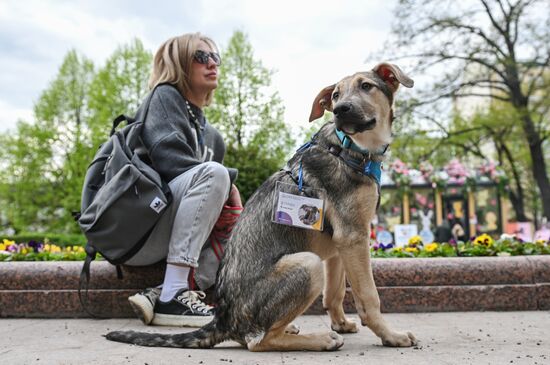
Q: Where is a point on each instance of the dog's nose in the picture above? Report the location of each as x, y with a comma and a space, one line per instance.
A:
342, 109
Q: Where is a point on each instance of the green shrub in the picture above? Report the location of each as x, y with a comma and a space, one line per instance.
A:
60, 239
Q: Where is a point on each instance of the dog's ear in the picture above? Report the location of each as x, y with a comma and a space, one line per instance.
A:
393, 76
321, 103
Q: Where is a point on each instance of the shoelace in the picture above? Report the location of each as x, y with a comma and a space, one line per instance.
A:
193, 299
151, 294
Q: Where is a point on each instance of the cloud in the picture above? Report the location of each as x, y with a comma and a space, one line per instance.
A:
308, 44
10, 115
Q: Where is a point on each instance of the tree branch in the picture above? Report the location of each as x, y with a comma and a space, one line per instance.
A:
474, 31
492, 96
445, 57
490, 15
531, 87
484, 83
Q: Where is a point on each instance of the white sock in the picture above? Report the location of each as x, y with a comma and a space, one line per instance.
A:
175, 279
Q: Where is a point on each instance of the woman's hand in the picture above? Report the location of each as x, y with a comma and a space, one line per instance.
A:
234, 199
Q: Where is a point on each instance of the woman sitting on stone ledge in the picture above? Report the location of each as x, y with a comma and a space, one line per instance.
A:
188, 153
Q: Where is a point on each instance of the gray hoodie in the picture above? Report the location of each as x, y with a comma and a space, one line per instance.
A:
175, 141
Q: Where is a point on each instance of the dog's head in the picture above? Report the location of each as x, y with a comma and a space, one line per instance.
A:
362, 104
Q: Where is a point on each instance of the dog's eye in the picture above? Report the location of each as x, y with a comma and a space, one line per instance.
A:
335, 95
366, 86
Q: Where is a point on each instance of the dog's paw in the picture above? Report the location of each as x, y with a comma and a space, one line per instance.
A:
333, 341
399, 339
348, 326
292, 329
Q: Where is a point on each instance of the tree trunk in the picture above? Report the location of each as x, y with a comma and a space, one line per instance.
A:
517, 198
519, 208
539, 165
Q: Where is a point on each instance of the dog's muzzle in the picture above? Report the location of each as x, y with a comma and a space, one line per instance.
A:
350, 121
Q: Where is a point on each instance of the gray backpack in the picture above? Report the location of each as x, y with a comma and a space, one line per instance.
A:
122, 197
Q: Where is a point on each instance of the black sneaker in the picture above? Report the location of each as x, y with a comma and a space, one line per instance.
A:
186, 309
143, 304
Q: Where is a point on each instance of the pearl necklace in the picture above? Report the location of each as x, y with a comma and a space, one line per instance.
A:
190, 110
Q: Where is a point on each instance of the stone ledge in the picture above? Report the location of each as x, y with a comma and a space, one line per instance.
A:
50, 289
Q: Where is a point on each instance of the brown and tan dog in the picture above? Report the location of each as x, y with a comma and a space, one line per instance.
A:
271, 273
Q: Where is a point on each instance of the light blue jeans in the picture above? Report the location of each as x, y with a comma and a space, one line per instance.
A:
198, 196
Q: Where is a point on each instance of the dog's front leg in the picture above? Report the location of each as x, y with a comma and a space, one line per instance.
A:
333, 296
356, 261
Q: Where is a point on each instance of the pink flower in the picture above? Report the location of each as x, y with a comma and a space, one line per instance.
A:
456, 171
488, 168
426, 169
421, 199
399, 167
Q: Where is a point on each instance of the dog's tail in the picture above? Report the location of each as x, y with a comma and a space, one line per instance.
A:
205, 337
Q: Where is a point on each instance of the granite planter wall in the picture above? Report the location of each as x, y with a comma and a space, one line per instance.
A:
50, 289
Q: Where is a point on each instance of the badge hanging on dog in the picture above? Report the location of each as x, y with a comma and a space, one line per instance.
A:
298, 208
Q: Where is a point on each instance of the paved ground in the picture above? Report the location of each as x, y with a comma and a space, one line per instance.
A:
446, 338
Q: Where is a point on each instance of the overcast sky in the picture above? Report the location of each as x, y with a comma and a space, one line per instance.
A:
310, 44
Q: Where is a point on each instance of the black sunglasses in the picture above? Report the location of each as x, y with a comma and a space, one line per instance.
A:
203, 56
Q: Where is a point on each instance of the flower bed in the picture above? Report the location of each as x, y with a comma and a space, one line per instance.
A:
483, 245
39, 251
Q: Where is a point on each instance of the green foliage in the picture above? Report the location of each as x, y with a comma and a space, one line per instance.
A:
502, 247
45, 162
63, 108
254, 167
419, 145
26, 196
59, 239
51, 247
118, 88
249, 117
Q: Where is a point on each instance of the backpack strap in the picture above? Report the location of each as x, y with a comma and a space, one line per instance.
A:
130, 120
84, 281
119, 120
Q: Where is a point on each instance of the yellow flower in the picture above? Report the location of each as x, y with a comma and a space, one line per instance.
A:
80, 249
8, 242
431, 247
24, 251
484, 240
54, 248
47, 248
2, 247
411, 249
540, 242
397, 249
68, 248
415, 241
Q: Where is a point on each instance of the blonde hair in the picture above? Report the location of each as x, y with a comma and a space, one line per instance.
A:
172, 62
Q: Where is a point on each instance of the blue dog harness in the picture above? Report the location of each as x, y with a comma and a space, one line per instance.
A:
364, 165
